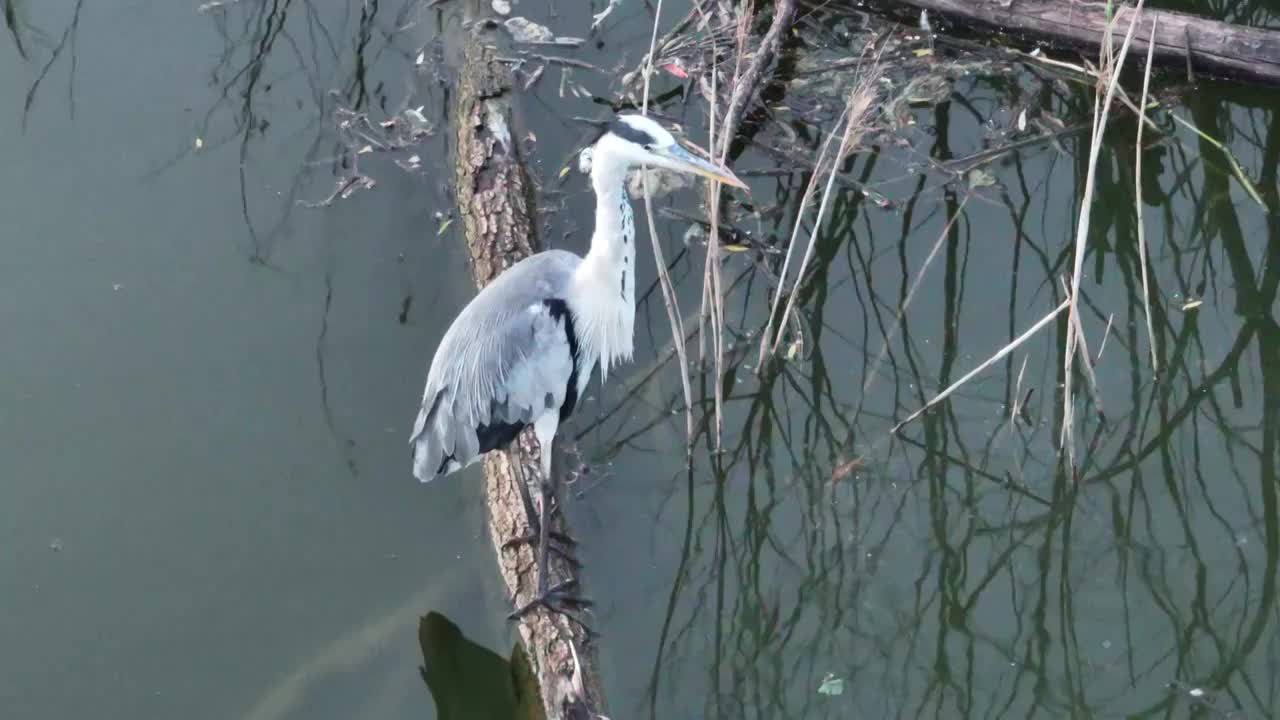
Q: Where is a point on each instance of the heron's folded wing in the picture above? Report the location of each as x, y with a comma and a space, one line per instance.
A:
498, 368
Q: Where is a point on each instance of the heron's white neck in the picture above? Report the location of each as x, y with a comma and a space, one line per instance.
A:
605, 281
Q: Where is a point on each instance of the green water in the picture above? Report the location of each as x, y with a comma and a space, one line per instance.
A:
206, 386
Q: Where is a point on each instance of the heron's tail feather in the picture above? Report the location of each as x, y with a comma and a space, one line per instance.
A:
429, 459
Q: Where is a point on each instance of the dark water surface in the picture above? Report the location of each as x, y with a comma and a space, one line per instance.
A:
206, 386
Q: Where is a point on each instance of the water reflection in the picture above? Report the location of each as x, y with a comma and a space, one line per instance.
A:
958, 570
953, 570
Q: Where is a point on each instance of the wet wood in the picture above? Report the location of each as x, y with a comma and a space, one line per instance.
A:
1211, 46
494, 202
745, 89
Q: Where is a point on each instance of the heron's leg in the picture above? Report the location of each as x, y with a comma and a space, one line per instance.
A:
558, 598
532, 518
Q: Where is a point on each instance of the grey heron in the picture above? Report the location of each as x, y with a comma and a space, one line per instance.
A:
522, 351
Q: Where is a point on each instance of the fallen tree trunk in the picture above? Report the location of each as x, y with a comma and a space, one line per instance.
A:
493, 199
1210, 45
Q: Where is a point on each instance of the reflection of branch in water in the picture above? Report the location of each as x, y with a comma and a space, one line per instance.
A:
347, 444
67, 41
10, 11
993, 558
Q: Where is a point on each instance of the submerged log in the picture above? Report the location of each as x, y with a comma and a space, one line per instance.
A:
493, 198
1210, 45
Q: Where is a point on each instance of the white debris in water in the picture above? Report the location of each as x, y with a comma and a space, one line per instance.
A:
600, 16
831, 685
497, 124
415, 114
502, 7
1195, 692
214, 5
524, 30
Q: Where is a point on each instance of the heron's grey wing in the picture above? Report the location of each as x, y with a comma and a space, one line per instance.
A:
506, 360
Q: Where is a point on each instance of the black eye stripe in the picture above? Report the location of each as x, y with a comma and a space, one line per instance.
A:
630, 134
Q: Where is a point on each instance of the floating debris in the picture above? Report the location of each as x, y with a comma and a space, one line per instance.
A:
979, 178
845, 469
831, 686
524, 30
208, 7
600, 16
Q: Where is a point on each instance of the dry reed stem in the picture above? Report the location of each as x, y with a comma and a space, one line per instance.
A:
1137, 202
712, 281
713, 295
809, 189
1083, 348
861, 100
664, 277
989, 362
1101, 110
714, 289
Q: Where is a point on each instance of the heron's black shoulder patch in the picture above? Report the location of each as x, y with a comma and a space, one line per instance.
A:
495, 436
560, 309
631, 134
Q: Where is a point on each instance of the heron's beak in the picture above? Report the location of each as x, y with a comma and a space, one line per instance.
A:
678, 158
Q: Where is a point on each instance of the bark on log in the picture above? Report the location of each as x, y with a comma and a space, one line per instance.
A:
744, 91
1214, 46
493, 198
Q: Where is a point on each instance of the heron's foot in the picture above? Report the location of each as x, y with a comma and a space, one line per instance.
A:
560, 598
533, 538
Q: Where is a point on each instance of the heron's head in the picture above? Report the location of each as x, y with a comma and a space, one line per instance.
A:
634, 140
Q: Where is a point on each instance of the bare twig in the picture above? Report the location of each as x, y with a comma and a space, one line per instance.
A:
1106, 333
1137, 202
989, 362
1017, 392
861, 101
809, 189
